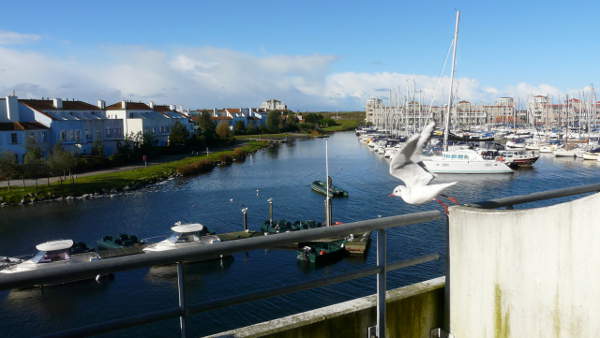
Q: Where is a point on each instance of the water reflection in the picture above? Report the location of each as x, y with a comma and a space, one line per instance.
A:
194, 272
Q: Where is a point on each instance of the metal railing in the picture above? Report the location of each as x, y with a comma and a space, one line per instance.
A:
179, 256
509, 202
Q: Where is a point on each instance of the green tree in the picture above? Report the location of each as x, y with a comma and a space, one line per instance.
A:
9, 167
273, 119
313, 118
251, 128
98, 148
179, 135
207, 126
239, 128
61, 162
34, 165
223, 130
148, 143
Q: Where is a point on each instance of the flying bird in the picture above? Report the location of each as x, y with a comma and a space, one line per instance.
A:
407, 166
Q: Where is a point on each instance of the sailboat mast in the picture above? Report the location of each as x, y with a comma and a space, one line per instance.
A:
327, 198
447, 119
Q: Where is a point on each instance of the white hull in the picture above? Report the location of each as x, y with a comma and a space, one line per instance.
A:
590, 156
439, 165
564, 153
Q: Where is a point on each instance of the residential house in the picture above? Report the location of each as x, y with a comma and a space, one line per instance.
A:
140, 118
76, 125
15, 134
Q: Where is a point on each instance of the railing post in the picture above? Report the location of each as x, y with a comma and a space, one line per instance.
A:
381, 281
181, 296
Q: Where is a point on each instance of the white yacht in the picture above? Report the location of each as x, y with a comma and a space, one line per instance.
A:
462, 160
564, 152
53, 254
184, 236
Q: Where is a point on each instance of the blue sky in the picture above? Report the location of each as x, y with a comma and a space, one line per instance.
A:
311, 54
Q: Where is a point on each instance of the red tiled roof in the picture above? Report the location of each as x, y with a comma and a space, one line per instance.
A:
21, 126
41, 105
160, 108
234, 110
129, 105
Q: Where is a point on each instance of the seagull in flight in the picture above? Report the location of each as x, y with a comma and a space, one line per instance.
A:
407, 166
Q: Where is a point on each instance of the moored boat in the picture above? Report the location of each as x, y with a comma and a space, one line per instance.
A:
519, 158
55, 254
465, 161
185, 236
321, 252
321, 188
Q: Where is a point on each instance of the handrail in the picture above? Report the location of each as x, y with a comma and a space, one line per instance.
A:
75, 271
536, 196
123, 323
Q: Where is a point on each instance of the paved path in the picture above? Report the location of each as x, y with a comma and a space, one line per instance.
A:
160, 159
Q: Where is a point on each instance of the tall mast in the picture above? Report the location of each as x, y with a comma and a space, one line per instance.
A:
327, 198
447, 119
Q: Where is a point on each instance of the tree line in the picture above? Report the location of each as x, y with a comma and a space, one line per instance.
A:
134, 148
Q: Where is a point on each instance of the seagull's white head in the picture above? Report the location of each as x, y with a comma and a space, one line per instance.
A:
399, 191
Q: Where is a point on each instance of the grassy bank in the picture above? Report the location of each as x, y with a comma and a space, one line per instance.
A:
129, 179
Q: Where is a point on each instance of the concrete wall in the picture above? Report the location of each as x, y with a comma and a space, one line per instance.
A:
412, 311
526, 273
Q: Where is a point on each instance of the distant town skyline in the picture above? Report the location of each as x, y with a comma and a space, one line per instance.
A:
311, 55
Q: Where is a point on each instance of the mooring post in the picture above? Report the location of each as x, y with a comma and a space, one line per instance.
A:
381, 281
181, 297
245, 218
270, 200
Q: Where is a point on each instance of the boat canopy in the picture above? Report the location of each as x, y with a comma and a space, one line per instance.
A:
62, 244
185, 228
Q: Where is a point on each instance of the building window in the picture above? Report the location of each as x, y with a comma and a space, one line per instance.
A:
14, 139
44, 136
88, 136
107, 132
78, 135
63, 135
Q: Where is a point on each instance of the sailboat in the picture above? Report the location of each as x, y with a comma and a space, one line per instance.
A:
461, 159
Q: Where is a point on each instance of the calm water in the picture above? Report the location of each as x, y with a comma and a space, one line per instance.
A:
284, 174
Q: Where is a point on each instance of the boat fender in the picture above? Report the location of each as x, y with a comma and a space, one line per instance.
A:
500, 158
322, 252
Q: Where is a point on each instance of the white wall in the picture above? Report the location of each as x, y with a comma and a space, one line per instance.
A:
526, 273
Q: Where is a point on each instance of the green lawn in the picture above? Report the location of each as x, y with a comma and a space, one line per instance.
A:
343, 125
134, 178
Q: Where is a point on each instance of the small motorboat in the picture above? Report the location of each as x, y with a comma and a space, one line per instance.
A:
321, 252
53, 254
519, 158
321, 188
563, 152
185, 236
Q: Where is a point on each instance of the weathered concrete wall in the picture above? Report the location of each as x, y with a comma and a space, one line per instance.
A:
412, 311
526, 273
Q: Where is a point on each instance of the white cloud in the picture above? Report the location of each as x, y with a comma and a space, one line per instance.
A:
13, 38
217, 77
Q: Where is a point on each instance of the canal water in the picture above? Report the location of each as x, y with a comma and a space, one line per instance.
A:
216, 199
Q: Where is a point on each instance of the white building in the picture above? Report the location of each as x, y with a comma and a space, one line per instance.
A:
140, 118
76, 125
373, 104
15, 134
273, 104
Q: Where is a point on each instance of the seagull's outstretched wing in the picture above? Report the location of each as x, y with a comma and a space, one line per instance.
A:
404, 168
423, 139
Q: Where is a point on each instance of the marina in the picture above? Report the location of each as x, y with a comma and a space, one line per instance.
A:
205, 199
